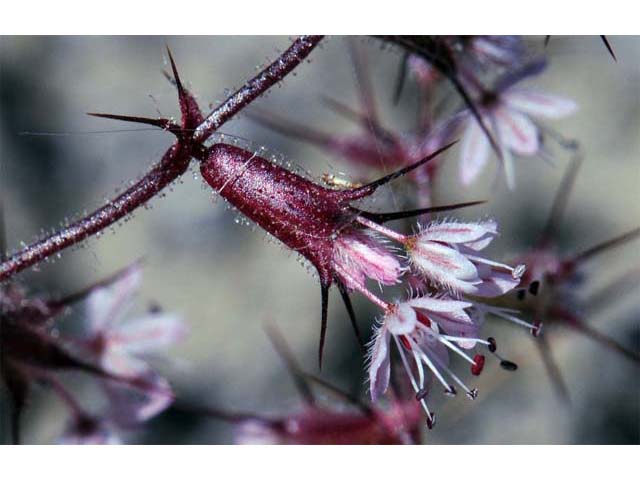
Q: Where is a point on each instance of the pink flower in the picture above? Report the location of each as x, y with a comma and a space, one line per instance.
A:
417, 327
362, 256
446, 253
119, 347
508, 112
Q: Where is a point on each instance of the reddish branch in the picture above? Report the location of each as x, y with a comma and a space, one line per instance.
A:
172, 165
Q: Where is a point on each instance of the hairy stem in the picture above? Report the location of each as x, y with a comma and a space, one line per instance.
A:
173, 164
255, 87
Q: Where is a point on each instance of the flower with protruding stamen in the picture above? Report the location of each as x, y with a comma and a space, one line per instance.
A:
417, 327
446, 253
362, 256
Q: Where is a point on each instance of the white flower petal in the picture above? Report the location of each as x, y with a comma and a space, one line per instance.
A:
150, 333
516, 131
441, 263
107, 305
539, 104
453, 232
474, 152
380, 366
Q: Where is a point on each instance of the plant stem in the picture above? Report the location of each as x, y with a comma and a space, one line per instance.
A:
172, 165
255, 87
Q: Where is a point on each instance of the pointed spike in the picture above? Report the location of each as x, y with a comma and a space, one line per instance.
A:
613, 291
560, 201
15, 426
389, 216
3, 231
579, 325
191, 114
354, 400
162, 123
352, 316
604, 246
176, 75
365, 122
324, 299
462, 91
283, 350
363, 81
546, 40
368, 189
222, 415
401, 78
605, 40
553, 370
290, 129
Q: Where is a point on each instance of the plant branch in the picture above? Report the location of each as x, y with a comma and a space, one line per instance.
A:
172, 165
255, 87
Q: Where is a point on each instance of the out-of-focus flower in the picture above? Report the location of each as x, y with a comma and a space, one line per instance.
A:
119, 346
509, 112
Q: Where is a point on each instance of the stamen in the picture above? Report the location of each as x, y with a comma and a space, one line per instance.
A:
421, 394
431, 419
492, 344
503, 313
471, 393
466, 339
432, 367
455, 348
534, 287
508, 365
477, 368
537, 330
516, 272
451, 391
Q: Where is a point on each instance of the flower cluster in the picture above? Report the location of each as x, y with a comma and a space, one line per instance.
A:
445, 256
111, 352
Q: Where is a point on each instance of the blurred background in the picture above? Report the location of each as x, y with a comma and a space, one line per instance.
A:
227, 279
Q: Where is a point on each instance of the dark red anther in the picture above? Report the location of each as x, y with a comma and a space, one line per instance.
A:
508, 365
431, 421
534, 287
476, 369
405, 342
492, 344
423, 319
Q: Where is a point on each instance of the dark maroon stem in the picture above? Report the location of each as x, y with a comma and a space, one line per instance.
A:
271, 75
173, 164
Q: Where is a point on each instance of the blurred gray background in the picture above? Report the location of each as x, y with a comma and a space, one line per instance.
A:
227, 279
